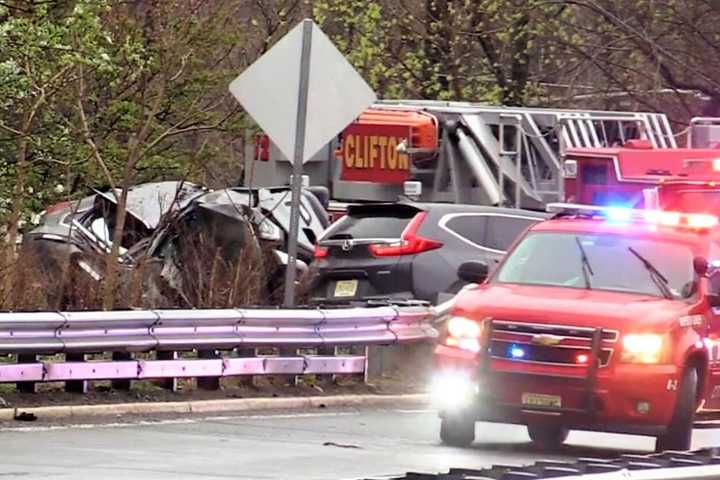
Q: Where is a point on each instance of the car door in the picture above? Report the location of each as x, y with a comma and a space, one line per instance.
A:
435, 274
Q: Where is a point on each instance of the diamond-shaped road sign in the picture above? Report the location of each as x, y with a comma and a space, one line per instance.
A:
336, 94
302, 93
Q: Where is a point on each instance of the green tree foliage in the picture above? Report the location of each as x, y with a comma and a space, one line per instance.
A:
42, 49
488, 50
101, 93
649, 54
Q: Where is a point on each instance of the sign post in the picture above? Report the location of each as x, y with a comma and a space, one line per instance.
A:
302, 93
291, 271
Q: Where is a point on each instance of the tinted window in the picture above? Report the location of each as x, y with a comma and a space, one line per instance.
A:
502, 231
471, 227
594, 174
370, 226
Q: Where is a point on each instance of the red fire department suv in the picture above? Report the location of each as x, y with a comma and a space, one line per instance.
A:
599, 319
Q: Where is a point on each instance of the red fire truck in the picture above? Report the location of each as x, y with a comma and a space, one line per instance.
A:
640, 176
602, 318
458, 152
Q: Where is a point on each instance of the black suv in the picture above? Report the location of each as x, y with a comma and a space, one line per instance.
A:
410, 250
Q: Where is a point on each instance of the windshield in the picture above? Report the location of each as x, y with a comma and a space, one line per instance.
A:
601, 262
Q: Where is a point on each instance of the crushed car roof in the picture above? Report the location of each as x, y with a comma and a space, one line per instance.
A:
148, 202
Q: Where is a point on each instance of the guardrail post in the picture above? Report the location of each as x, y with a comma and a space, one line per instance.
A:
121, 384
249, 380
208, 383
330, 352
366, 374
288, 379
26, 387
168, 383
76, 386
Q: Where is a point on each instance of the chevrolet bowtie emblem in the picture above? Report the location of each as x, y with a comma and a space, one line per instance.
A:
546, 340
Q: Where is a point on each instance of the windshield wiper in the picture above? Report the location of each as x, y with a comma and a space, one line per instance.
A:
586, 268
658, 278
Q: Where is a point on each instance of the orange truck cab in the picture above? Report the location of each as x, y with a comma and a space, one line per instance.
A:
601, 318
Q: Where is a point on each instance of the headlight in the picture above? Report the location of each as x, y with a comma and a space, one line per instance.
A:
267, 230
464, 333
463, 327
642, 348
452, 390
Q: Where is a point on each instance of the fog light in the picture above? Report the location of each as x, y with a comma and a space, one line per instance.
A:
453, 391
643, 408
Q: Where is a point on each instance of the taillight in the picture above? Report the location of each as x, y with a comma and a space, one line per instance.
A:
410, 243
321, 252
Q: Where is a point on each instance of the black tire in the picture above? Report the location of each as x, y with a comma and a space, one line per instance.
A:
457, 432
548, 437
679, 432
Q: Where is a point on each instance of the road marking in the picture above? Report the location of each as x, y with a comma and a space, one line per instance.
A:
289, 415
177, 421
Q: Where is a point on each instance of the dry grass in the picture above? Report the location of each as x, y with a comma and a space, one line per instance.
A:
210, 273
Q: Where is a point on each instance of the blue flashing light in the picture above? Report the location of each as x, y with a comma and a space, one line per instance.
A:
619, 214
516, 352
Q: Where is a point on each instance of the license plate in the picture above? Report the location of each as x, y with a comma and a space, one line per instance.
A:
346, 288
541, 400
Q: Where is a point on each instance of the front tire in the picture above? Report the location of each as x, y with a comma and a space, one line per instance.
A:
679, 432
548, 437
457, 432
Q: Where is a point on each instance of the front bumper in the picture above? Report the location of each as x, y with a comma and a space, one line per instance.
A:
620, 398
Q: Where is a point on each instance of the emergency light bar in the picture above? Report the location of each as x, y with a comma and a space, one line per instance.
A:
621, 215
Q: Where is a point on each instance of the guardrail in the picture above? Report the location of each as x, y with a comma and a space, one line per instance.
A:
700, 464
239, 333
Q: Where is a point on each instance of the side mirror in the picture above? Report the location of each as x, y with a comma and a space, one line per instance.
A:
701, 267
473, 272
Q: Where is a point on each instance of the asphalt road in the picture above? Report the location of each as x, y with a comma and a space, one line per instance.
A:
337, 445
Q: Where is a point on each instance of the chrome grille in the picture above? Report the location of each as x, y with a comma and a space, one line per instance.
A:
566, 342
548, 329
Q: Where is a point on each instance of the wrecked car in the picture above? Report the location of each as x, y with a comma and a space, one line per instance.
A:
182, 246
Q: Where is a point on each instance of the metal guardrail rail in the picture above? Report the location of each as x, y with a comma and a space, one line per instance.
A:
209, 332
700, 464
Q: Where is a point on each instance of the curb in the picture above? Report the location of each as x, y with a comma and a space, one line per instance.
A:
215, 406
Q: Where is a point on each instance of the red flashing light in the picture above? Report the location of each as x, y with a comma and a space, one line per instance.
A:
621, 215
410, 243
321, 252
582, 358
700, 220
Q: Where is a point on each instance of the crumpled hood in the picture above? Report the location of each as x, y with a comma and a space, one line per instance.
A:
570, 306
